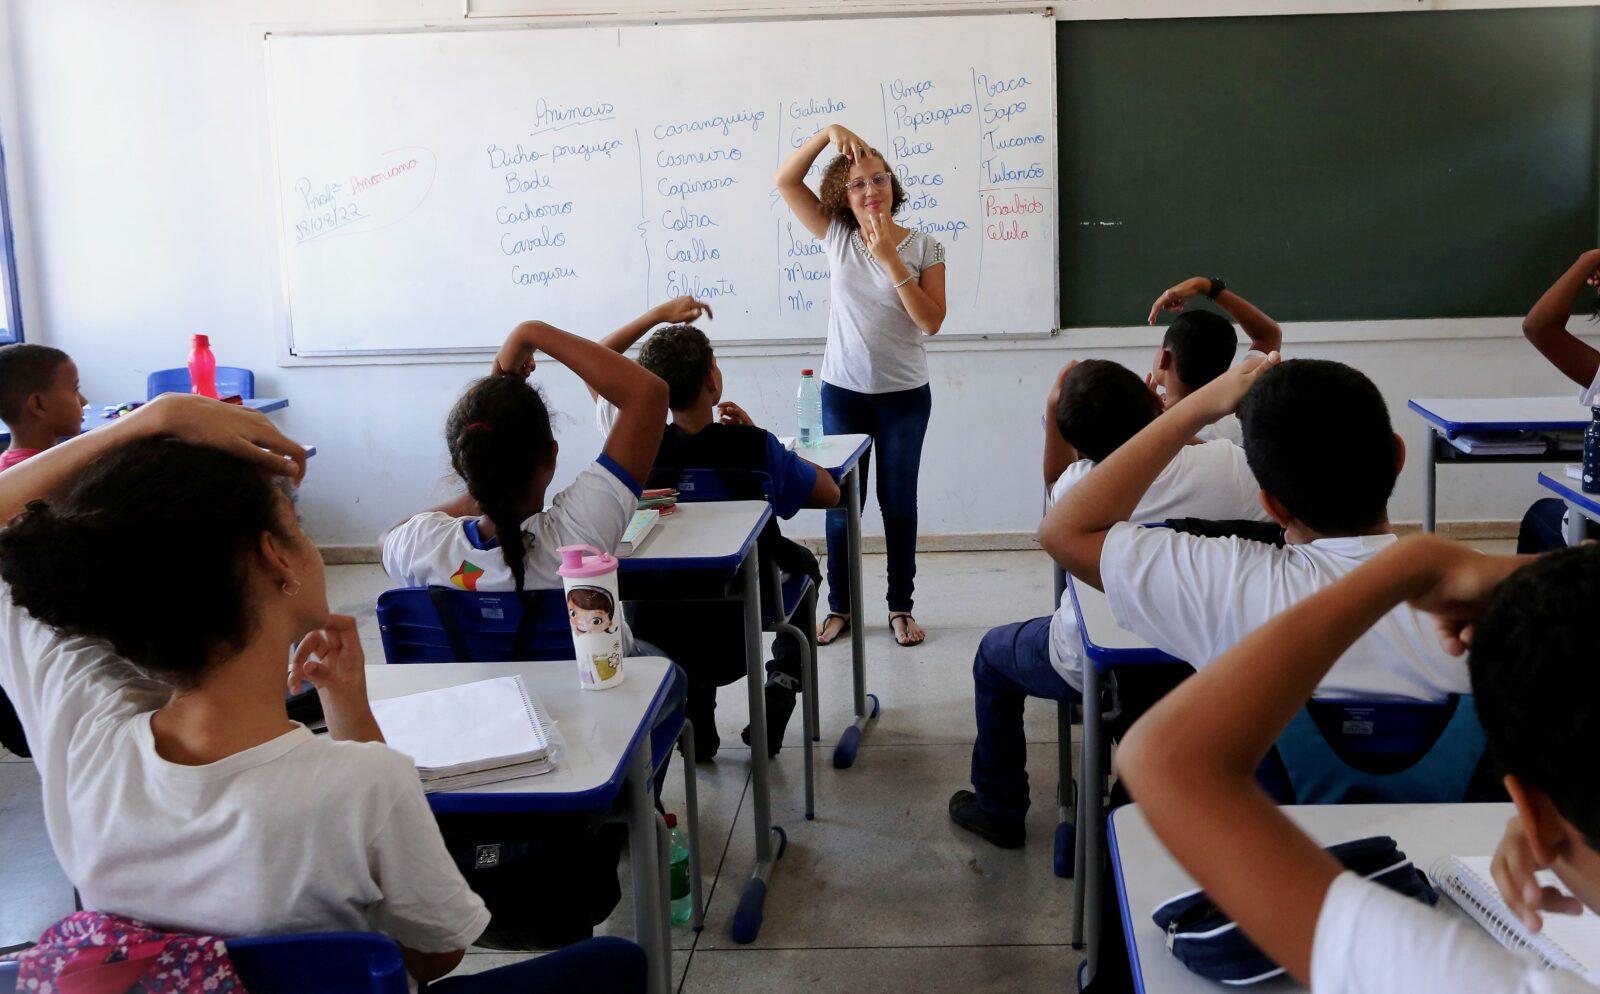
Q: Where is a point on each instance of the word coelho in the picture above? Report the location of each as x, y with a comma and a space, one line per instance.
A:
697, 251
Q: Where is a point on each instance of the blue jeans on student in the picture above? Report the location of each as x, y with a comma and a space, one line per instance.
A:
1543, 527
897, 422
1012, 664
606, 965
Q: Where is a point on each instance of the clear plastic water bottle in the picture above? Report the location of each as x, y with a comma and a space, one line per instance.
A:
808, 410
202, 367
1591, 453
678, 858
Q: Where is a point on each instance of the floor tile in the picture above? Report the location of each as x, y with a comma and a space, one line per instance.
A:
883, 865
922, 970
477, 962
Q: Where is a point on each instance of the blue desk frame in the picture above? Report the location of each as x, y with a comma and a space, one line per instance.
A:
1086, 924
848, 475
735, 577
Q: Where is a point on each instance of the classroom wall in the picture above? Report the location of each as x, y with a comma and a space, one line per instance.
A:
142, 147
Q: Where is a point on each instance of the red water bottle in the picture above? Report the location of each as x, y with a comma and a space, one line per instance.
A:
202, 367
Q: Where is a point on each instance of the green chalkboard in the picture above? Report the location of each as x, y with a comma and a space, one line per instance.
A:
1332, 167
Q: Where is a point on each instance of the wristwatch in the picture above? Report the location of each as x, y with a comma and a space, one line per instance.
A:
1217, 286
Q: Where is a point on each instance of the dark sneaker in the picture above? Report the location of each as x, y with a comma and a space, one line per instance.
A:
781, 692
966, 812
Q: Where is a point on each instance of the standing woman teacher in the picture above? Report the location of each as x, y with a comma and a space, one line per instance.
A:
886, 295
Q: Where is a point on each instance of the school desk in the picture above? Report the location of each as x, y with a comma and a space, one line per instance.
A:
1446, 418
707, 551
1584, 508
605, 757
1146, 876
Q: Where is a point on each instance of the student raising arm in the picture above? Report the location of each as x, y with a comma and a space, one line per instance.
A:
1265, 335
1190, 763
1546, 324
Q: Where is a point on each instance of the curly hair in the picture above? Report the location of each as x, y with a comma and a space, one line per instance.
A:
681, 355
499, 437
836, 199
182, 522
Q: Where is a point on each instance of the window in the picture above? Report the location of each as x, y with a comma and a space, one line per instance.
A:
10, 306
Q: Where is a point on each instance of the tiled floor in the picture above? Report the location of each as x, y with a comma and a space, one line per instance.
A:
879, 893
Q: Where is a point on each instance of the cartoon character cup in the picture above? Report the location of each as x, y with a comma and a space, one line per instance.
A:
590, 579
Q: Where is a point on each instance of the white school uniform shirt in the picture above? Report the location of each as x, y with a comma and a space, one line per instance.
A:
1210, 480
1194, 597
437, 548
873, 345
298, 834
1370, 940
1228, 429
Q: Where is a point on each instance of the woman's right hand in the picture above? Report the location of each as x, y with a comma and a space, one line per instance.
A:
847, 142
233, 428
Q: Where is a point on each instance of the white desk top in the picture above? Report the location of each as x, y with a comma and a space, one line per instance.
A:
1504, 413
1105, 641
597, 727
837, 454
1571, 491
1149, 876
704, 535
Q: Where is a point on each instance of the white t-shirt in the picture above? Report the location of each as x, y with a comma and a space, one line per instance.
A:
1195, 597
1228, 429
298, 834
873, 345
438, 548
1370, 940
1210, 480
1589, 396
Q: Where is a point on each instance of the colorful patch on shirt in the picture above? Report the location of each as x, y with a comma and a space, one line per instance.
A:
467, 576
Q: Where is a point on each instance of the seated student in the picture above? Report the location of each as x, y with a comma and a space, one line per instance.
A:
1528, 626
1199, 345
710, 433
1095, 407
1544, 525
39, 399
176, 790
1326, 479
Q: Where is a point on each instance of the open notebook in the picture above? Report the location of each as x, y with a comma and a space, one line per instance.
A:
1567, 942
469, 734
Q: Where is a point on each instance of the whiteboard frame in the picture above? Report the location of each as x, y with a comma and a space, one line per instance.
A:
283, 312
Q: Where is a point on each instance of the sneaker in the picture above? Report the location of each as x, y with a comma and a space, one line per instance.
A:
781, 691
969, 814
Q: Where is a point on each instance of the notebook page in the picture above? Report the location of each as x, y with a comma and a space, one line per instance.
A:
1571, 942
468, 727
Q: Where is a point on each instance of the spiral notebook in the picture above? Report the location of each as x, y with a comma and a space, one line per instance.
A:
1566, 942
469, 734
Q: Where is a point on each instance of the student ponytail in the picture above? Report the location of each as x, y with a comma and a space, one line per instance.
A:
500, 440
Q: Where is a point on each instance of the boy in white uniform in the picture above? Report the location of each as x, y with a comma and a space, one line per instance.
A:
1094, 407
1190, 763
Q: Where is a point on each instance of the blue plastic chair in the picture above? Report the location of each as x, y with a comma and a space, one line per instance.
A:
443, 625
310, 963
230, 380
1380, 752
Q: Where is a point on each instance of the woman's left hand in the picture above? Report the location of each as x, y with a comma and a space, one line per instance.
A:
875, 232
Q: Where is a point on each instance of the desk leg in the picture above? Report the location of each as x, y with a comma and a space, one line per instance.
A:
1090, 824
844, 754
747, 917
645, 861
1579, 527
1430, 482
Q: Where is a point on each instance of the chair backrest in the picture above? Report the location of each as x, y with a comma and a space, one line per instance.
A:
319, 963
703, 485
230, 380
312, 963
445, 625
1372, 752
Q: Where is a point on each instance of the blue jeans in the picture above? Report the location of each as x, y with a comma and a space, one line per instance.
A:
1012, 664
606, 965
897, 422
1543, 527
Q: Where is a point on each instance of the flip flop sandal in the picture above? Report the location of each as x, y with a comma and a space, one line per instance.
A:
906, 615
843, 629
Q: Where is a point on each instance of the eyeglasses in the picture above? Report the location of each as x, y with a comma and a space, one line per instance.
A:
857, 185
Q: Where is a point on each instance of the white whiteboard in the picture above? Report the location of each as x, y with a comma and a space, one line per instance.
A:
436, 187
